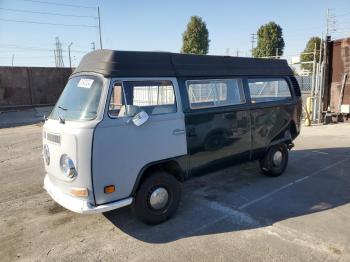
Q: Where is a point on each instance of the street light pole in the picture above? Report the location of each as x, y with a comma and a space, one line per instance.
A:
70, 59
99, 26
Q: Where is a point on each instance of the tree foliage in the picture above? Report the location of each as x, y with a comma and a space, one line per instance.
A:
196, 37
269, 39
310, 46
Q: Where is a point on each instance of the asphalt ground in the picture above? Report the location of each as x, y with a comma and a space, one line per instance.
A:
236, 214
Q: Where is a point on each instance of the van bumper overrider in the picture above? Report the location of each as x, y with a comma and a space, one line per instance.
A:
80, 205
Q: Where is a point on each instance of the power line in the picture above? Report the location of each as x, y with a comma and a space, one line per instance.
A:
59, 4
45, 23
36, 48
45, 13
343, 14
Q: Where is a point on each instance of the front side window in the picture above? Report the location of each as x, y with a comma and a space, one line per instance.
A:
215, 93
268, 89
79, 100
153, 97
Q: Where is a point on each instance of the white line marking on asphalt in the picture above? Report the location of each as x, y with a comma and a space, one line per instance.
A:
240, 218
320, 152
301, 179
290, 184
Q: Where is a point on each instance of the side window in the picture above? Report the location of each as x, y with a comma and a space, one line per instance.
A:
153, 97
215, 93
268, 89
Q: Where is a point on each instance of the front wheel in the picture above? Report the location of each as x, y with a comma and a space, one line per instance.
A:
275, 161
157, 198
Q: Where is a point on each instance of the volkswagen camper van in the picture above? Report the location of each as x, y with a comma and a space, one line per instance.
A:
130, 127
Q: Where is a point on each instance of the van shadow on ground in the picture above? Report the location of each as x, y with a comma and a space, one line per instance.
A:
241, 198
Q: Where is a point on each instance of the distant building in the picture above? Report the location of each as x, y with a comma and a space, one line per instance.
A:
337, 90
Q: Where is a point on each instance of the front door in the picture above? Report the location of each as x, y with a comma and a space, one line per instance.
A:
218, 124
121, 149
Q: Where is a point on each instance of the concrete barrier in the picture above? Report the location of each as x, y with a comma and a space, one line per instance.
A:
31, 86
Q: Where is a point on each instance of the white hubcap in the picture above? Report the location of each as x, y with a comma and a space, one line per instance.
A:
277, 158
159, 198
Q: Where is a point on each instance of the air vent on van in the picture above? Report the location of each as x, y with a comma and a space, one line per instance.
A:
53, 138
295, 86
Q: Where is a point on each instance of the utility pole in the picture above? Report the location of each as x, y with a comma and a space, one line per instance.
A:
313, 71
277, 56
330, 27
70, 59
327, 23
93, 46
99, 25
330, 23
237, 52
313, 84
320, 82
13, 58
253, 39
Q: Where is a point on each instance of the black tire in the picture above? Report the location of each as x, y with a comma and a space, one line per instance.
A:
267, 164
141, 205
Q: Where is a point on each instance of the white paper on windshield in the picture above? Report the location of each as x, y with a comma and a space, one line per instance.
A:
85, 83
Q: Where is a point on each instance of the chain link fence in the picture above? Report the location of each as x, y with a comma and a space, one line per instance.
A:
305, 83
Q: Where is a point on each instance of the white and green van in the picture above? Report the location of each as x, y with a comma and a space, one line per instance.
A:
130, 127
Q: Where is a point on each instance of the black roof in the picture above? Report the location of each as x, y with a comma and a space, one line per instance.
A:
162, 64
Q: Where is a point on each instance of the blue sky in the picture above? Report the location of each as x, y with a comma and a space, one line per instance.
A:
156, 25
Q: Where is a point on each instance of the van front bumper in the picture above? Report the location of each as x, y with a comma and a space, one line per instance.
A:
80, 205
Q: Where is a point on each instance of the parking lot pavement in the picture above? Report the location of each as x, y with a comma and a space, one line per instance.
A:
24, 116
235, 214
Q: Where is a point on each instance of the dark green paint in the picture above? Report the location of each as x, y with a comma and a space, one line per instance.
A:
222, 136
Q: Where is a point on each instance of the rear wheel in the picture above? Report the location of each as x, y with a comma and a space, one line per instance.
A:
275, 161
157, 198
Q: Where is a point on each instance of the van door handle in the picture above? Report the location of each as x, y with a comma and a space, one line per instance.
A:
178, 132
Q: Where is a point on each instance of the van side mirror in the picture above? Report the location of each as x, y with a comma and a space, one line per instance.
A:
140, 118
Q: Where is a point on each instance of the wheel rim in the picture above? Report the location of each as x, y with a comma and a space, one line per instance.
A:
277, 158
159, 198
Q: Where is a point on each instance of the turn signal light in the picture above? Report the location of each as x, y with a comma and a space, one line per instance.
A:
80, 192
109, 189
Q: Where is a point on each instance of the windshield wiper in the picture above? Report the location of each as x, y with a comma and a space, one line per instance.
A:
62, 120
64, 109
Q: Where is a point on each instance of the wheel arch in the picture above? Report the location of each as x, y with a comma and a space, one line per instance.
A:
287, 135
169, 165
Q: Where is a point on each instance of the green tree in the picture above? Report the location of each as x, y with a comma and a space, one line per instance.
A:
309, 56
195, 40
269, 39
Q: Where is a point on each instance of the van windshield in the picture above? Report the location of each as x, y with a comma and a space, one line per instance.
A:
79, 100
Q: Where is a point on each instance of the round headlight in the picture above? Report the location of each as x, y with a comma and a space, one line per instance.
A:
46, 154
67, 166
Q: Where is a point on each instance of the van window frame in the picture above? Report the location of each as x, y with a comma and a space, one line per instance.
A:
276, 102
245, 98
121, 80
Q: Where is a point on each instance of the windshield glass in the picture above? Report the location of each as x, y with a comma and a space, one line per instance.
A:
79, 99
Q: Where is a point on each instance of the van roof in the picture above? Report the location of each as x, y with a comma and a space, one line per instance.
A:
112, 63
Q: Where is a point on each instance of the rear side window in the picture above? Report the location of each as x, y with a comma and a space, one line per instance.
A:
215, 93
153, 97
268, 89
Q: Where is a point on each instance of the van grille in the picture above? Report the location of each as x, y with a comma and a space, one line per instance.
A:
295, 86
53, 138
